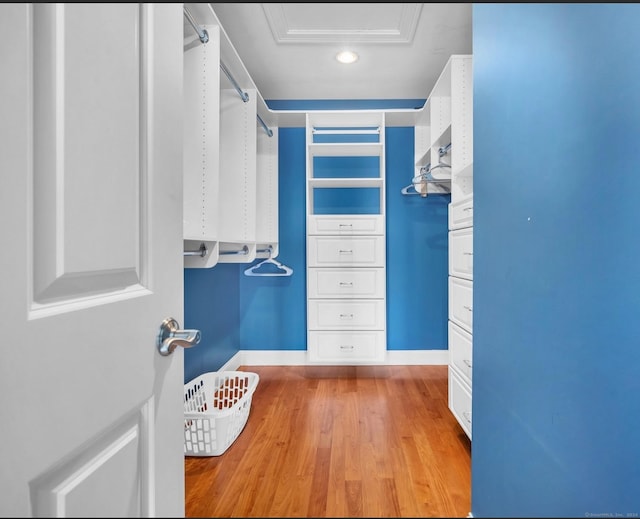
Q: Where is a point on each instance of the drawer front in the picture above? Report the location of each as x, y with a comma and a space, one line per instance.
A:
461, 253
327, 314
461, 352
357, 251
345, 225
461, 213
345, 347
346, 283
461, 302
460, 402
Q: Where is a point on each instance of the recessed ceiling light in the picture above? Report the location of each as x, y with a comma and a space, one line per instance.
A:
346, 56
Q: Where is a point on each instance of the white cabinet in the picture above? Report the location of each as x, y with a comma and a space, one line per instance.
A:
201, 149
460, 328
230, 158
346, 247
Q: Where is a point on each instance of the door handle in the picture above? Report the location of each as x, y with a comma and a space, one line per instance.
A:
170, 337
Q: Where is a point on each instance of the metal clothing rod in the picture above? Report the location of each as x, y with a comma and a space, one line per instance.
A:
202, 33
243, 95
202, 251
268, 249
266, 128
242, 252
443, 150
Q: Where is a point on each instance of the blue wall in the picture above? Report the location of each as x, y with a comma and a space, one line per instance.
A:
211, 305
417, 254
273, 312
556, 385
237, 312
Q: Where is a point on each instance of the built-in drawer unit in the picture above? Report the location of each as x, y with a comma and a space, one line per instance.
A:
461, 352
327, 314
460, 401
346, 283
461, 302
337, 346
343, 225
461, 213
461, 253
355, 251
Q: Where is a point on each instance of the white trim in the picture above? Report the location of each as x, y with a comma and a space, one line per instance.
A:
299, 358
400, 30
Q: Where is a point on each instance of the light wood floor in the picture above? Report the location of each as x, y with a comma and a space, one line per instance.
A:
366, 441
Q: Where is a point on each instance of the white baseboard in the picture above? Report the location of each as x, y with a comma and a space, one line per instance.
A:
299, 358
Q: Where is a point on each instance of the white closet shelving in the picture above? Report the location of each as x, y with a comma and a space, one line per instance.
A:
345, 200
230, 153
460, 325
201, 148
444, 149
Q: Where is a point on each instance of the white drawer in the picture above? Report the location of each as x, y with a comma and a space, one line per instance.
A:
346, 347
460, 402
461, 302
336, 314
461, 253
345, 225
357, 251
338, 283
461, 213
461, 352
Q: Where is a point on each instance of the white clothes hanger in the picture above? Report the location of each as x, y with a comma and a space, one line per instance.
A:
283, 270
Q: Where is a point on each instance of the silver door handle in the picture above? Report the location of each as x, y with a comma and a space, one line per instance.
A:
170, 337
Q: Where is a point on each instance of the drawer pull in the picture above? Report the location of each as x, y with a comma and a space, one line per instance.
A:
467, 253
345, 251
468, 209
346, 348
345, 225
346, 316
346, 284
467, 362
467, 416
468, 308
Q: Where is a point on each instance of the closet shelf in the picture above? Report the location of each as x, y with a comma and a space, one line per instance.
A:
368, 149
345, 182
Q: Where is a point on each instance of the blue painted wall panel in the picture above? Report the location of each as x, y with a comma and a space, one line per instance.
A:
273, 309
235, 311
556, 272
211, 305
417, 254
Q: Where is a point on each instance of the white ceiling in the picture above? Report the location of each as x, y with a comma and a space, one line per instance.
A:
289, 48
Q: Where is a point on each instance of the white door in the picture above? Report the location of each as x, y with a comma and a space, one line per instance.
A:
91, 257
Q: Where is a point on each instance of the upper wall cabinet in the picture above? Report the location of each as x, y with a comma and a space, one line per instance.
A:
230, 152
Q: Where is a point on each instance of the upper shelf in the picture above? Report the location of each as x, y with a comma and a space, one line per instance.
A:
345, 182
344, 149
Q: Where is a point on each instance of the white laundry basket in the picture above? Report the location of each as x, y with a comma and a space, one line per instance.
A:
216, 409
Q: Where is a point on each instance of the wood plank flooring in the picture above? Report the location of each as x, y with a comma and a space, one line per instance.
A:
339, 441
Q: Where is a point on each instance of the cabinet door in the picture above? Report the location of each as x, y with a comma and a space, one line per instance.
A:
461, 253
461, 352
461, 302
460, 401
356, 251
346, 283
340, 314
345, 225
346, 346
461, 213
